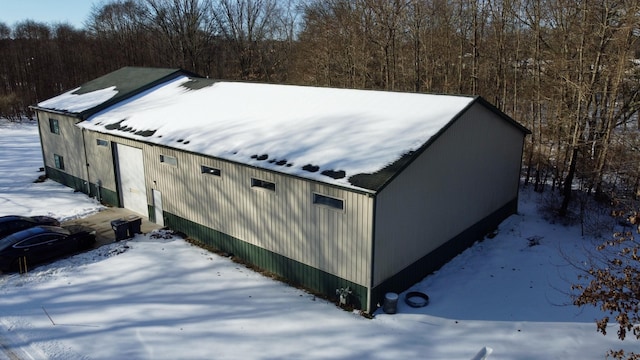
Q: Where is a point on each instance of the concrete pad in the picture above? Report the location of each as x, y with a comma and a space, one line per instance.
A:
101, 222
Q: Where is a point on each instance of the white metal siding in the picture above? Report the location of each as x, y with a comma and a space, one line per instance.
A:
68, 143
469, 172
100, 160
285, 221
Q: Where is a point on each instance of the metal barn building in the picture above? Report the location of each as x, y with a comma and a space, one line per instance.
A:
327, 188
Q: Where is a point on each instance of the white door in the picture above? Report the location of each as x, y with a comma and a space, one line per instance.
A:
131, 173
157, 207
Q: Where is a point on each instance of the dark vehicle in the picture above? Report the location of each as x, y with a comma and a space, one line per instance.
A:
14, 223
42, 243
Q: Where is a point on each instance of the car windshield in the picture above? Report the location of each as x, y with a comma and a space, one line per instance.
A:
5, 243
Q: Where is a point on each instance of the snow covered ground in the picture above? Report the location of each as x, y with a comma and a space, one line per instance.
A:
158, 297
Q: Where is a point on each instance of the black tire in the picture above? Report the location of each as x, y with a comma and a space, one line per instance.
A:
14, 265
416, 299
85, 244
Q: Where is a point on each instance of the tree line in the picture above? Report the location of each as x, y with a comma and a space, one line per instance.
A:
566, 69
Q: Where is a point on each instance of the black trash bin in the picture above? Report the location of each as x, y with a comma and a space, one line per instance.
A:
390, 304
120, 228
135, 222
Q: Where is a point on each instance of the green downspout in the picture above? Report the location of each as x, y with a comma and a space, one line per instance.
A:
373, 253
86, 161
44, 159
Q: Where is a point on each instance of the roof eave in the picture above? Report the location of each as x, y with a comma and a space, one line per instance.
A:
84, 115
500, 113
419, 151
353, 189
54, 111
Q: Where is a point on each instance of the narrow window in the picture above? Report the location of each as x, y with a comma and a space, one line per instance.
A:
54, 126
328, 201
101, 142
169, 160
209, 170
59, 160
263, 184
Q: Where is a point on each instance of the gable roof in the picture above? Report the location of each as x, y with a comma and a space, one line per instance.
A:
100, 93
351, 138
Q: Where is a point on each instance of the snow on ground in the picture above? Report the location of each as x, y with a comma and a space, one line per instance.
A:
20, 162
158, 297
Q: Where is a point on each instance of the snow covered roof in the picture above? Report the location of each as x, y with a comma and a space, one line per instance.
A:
106, 90
353, 138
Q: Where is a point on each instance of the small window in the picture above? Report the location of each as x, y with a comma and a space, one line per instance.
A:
263, 184
59, 161
209, 170
328, 201
54, 126
169, 160
101, 142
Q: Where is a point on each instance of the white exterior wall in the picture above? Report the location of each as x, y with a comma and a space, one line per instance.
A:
68, 143
285, 221
101, 160
74, 143
470, 171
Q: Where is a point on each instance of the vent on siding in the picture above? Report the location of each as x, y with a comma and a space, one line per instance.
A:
257, 183
209, 170
169, 160
329, 201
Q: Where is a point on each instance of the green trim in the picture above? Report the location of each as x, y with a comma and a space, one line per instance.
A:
293, 272
44, 159
373, 251
152, 213
128, 82
107, 197
67, 179
402, 163
431, 262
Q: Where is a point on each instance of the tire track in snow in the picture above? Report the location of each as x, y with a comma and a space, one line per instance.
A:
6, 351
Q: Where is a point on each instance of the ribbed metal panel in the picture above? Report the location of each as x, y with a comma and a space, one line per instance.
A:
284, 221
101, 165
100, 159
68, 144
469, 172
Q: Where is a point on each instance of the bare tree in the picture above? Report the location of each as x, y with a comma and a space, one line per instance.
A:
567, 68
119, 28
185, 30
384, 23
247, 25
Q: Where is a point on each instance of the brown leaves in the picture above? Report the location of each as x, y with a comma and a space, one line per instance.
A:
615, 289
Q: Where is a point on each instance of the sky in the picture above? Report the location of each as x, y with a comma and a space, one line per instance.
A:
74, 12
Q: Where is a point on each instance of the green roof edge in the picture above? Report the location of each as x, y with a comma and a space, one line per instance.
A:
419, 151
